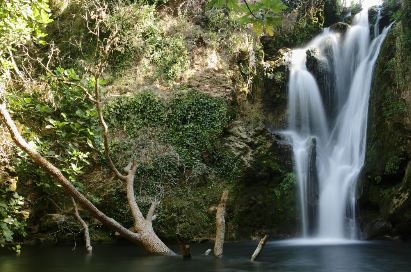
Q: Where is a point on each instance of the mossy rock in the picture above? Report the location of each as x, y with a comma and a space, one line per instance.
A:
265, 197
385, 188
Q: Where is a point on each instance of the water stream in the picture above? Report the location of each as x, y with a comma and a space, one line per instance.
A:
329, 89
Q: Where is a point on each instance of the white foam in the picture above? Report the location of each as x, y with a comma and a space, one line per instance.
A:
317, 242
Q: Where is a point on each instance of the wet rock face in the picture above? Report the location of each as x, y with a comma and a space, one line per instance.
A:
398, 206
321, 66
372, 15
274, 95
244, 141
340, 27
265, 198
385, 191
377, 229
313, 189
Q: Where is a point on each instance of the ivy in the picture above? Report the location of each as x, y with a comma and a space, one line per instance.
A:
173, 139
133, 113
195, 121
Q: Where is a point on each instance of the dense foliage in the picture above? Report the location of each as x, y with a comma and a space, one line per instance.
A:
181, 89
185, 130
264, 16
21, 23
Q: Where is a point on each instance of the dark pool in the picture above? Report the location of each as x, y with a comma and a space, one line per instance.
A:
376, 256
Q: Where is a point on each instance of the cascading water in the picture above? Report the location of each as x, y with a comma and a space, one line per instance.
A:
328, 110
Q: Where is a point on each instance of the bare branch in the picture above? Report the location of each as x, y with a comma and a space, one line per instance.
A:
104, 127
248, 7
102, 54
139, 221
15, 67
128, 167
259, 248
150, 214
84, 89
61, 179
83, 223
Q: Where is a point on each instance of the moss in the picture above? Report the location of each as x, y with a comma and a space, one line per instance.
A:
265, 196
387, 137
386, 188
183, 213
393, 165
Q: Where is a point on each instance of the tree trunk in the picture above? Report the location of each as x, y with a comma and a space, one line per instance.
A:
260, 247
83, 223
185, 251
220, 225
145, 236
143, 226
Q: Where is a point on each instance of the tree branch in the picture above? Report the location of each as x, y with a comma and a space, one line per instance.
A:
83, 223
89, 96
150, 213
103, 124
260, 247
61, 179
138, 217
15, 67
248, 7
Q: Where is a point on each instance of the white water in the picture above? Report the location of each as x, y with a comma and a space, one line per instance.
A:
327, 127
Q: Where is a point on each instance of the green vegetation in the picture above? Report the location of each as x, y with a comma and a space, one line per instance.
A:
386, 184
186, 94
21, 22
12, 215
264, 16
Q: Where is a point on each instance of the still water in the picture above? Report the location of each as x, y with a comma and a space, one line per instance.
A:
377, 256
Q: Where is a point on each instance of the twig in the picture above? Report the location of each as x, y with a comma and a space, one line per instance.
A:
248, 7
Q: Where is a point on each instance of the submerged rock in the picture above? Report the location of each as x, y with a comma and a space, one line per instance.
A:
377, 229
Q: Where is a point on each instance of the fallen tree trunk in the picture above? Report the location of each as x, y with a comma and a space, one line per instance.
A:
220, 225
260, 247
83, 223
145, 236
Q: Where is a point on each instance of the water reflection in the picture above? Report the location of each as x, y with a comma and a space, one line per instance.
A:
275, 257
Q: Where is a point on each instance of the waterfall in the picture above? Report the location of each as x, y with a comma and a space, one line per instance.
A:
377, 23
329, 89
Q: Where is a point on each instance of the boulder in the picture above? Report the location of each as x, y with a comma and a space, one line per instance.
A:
377, 229
321, 66
340, 27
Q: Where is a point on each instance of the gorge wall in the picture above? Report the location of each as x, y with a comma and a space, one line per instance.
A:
385, 202
211, 60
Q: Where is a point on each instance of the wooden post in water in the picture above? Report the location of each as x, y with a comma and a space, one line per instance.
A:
260, 247
220, 225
